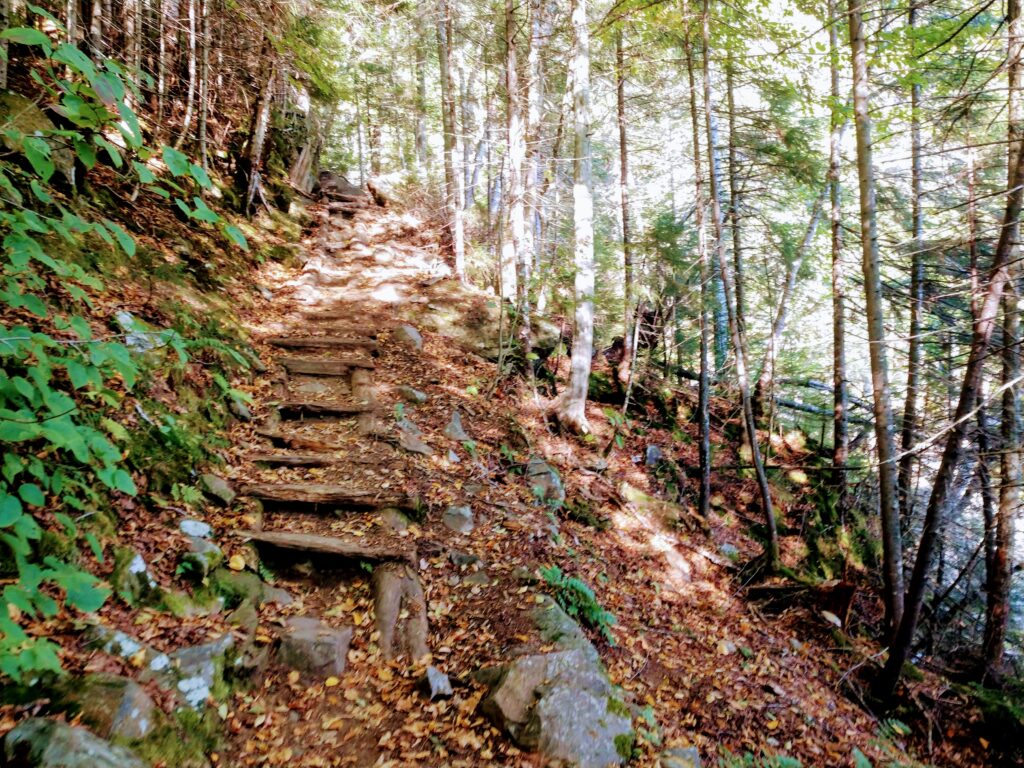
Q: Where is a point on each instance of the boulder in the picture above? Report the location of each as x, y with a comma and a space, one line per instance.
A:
217, 488
458, 519
653, 455
560, 703
408, 337
545, 482
195, 529
111, 705
42, 743
237, 586
680, 757
315, 648
22, 118
200, 670
132, 580
203, 556
409, 438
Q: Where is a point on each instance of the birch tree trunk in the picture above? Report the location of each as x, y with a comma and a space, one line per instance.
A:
516, 156
448, 117
892, 556
571, 407
772, 555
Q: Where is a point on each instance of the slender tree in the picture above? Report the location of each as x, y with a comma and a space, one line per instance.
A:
627, 243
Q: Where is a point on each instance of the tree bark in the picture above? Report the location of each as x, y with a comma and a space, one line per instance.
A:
453, 206
704, 376
571, 407
627, 244
892, 555
772, 555
516, 156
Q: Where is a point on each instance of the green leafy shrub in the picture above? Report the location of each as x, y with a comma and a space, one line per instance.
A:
578, 600
60, 381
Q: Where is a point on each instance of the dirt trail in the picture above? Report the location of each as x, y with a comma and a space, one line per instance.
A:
343, 453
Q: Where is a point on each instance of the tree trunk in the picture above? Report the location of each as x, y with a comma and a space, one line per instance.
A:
734, 193
627, 244
998, 574
840, 424
204, 81
916, 346
953, 450
892, 555
704, 377
422, 145
5, 22
772, 556
571, 407
448, 118
516, 156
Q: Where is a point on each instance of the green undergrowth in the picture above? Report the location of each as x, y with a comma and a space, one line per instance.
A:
117, 357
578, 600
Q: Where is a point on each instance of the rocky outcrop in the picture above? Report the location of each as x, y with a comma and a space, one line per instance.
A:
42, 743
560, 703
545, 482
111, 705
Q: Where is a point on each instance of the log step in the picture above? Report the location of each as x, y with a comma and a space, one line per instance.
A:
294, 459
325, 493
297, 441
320, 342
293, 409
310, 367
327, 545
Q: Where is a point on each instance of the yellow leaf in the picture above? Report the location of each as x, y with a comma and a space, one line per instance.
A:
772, 725
330, 682
236, 563
386, 674
138, 659
293, 676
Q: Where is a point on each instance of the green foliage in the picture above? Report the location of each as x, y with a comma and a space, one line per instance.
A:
578, 600
64, 459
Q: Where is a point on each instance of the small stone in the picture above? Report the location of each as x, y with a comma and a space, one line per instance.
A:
395, 519
42, 743
680, 757
653, 455
200, 668
195, 528
240, 410
408, 337
454, 429
245, 616
217, 488
458, 519
596, 465
132, 580
265, 292
203, 556
315, 648
277, 596
730, 551
453, 457
411, 395
461, 559
544, 481
477, 579
435, 684
312, 388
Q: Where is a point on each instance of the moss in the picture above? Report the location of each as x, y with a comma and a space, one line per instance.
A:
184, 742
624, 745
910, 672
617, 707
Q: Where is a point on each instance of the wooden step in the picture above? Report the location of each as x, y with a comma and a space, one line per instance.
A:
295, 459
293, 409
327, 545
326, 493
321, 342
312, 367
298, 442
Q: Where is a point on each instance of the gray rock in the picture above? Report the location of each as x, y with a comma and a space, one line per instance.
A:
111, 705
277, 596
730, 551
312, 388
217, 488
409, 438
453, 457
545, 482
597, 465
408, 337
561, 703
461, 559
680, 757
203, 556
395, 519
138, 336
195, 528
200, 670
458, 519
653, 455
239, 409
477, 579
42, 743
245, 616
435, 684
411, 395
237, 586
313, 647
132, 580
454, 430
